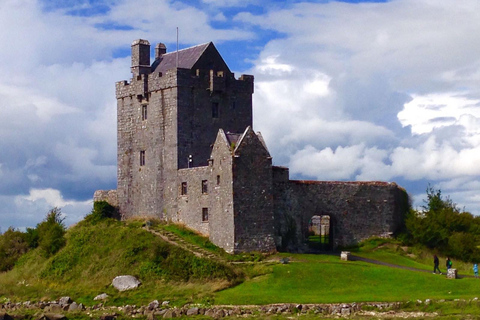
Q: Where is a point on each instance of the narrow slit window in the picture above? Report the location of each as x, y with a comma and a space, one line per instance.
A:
204, 186
184, 189
144, 112
218, 180
204, 214
215, 110
142, 158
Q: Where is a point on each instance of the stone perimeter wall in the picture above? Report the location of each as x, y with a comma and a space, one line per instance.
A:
357, 210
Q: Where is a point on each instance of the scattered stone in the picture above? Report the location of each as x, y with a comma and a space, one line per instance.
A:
102, 296
54, 316
112, 316
54, 308
165, 303
64, 300
73, 307
123, 283
153, 305
192, 311
210, 313
169, 313
219, 313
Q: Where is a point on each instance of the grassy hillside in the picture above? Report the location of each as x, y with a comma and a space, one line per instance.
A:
96, 253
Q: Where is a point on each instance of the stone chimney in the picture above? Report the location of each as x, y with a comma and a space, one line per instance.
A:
160, 49
140, 57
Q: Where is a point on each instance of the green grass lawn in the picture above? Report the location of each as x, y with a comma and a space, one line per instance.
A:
326, 279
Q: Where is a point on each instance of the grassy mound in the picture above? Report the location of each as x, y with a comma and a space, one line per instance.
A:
97, 252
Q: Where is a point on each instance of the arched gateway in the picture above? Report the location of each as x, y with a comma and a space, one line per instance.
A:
319, 233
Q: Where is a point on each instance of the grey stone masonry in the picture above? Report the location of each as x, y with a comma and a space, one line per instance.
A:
187, 153
452, 273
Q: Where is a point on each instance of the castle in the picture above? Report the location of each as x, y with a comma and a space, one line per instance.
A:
187, 153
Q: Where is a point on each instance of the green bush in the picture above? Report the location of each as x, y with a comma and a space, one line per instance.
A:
101, 210
51, 233
443, 227
12, 246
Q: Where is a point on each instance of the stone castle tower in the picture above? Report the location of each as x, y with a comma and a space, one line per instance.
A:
169, 116
187, 154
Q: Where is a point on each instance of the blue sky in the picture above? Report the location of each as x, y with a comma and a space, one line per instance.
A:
344, 90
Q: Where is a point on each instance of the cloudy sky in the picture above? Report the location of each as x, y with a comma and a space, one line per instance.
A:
344, 90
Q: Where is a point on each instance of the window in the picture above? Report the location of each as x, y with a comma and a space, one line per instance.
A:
184, 188
218, 180
204, 214
204, 186
144, 112
215, 110
142, 158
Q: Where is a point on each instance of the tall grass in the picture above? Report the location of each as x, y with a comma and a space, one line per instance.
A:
96, 253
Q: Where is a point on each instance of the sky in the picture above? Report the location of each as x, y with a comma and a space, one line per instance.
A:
344, 90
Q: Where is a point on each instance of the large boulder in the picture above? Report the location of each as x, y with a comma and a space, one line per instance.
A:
123, 283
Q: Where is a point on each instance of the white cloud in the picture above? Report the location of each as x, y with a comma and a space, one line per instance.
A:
51, 196
427, 112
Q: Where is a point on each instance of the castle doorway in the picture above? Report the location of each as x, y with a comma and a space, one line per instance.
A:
319, 233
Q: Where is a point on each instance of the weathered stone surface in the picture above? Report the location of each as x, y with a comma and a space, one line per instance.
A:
101, 296
170, 313
192, 311
452, 274
55, 316
167, 122
125, 282
111, 316
64, 300
153, 305
54, 308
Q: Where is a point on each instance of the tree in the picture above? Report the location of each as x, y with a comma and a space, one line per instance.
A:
51, 232
442, 226
12, 246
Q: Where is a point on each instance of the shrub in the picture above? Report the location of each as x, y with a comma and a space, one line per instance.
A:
12, 246
51, 233
101, 210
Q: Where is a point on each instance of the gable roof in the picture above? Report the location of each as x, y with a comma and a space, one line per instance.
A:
186, 58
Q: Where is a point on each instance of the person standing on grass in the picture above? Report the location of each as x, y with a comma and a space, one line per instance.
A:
475, 270
448, 263
436, 262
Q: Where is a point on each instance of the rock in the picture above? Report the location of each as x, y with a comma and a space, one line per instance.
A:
123, 283
165, 303
170, 313
73, 307
127, 309
54, 308
112, 316
102, 296
209, 313
192, 312
55, 316
220, 313
153, 305
346, 311
64, 300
